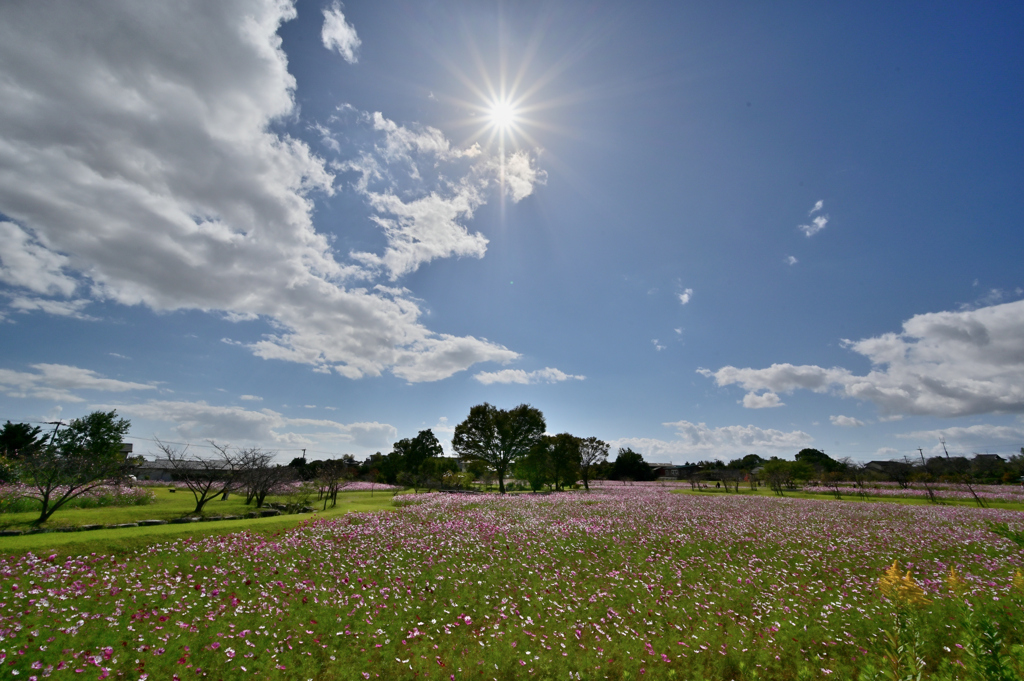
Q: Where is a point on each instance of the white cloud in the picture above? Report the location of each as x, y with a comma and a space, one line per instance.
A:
845, 421
685, 296
941, 364
57, 381
338, 34
442, 426
424, 220
152, 173
251, 398
765, 400
791, 260
427, 228
25, 263
817, 206
700, 440
968, 435
657, 346
546, 375
61, 308
403, 144
817, 224
520, 175
885, 453
265, 428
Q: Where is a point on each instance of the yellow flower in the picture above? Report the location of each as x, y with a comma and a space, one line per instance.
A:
1018, 581
955, 582
901, 589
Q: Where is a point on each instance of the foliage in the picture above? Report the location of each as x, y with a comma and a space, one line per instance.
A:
413, 452
819, 461
746, 463
593, 453
82, 456
535, 467
498, 437
8, 470
18, 440
630, 465
554, 460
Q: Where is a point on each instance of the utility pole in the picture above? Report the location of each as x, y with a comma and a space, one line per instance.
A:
56, 425
303, 456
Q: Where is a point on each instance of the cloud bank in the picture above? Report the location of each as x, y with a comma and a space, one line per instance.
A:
546, 375
137, 172
264, 428
698, 440
941, 364
57, 381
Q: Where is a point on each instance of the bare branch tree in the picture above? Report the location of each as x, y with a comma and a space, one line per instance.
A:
331, 477
963, 477
924, 477
258, 476
205, 477
856, 472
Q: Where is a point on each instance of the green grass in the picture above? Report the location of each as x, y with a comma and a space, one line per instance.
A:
167, 507
766, 492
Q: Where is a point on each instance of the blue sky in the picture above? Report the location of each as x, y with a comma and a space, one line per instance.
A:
696, 229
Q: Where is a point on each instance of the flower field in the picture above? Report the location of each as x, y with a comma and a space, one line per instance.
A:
14, 499
615, 584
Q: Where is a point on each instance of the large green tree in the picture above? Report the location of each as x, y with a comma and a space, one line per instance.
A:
84, 454
819, 461
593, 453
498, 437
565, 459
535, 466
630, 465
413, 452
554, 460
18, 440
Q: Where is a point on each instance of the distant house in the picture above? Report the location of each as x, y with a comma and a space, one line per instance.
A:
988, 458
158, 469
164, 470
885, 467
665, 470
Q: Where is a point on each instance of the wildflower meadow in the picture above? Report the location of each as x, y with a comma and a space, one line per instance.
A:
625, 582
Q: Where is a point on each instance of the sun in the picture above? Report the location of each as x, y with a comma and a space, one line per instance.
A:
503, 115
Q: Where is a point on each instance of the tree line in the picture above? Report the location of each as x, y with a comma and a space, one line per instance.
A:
490, 444
494, 444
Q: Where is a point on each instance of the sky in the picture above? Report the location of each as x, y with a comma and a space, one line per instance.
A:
699, 230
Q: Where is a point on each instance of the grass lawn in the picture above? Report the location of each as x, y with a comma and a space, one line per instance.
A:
168, 506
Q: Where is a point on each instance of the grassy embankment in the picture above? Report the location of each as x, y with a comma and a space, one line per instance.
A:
168, 506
